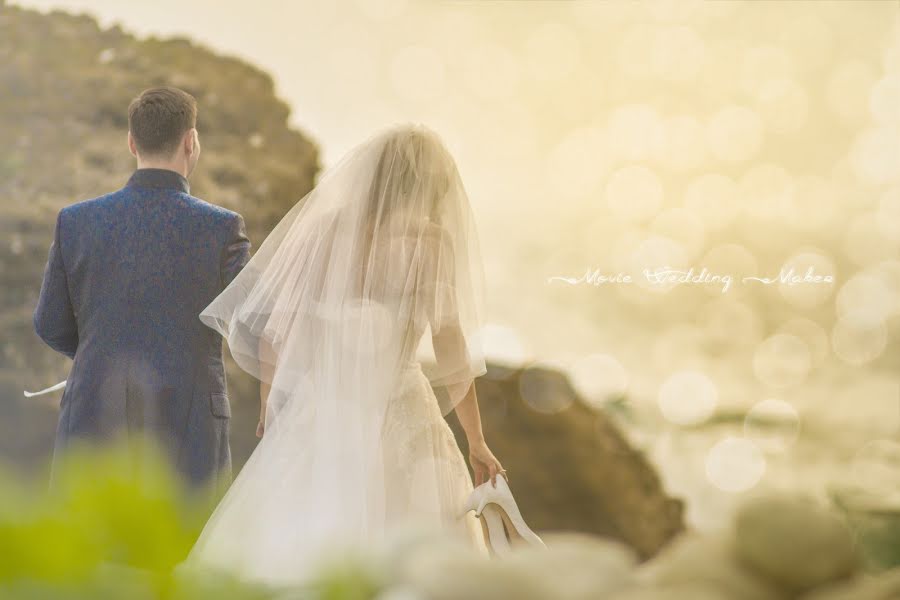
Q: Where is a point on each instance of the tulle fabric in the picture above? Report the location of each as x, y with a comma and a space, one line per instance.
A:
362, 311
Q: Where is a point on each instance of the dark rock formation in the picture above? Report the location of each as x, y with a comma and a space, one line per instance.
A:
569, 465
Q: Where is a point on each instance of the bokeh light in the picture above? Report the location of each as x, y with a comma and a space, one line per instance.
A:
504, 345
735, 465
864, 241
687, 398
858, 337
658, 255
867, 293
813, 335
729, 325
782, 360
546, 394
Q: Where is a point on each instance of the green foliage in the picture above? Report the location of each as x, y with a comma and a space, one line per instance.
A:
879, 538
875, 523
353, 576
117, 526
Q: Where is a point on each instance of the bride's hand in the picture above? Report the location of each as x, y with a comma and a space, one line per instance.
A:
484, 463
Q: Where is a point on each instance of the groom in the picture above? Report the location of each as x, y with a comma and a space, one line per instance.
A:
127, 277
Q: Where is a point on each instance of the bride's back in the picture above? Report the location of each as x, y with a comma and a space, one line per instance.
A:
405, 250
383, 247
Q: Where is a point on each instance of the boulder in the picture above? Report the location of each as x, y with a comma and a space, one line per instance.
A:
794, 541
710, 560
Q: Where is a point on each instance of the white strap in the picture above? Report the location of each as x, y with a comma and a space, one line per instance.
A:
58, 386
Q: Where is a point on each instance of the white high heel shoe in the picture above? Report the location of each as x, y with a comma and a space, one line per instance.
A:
494, 533
500, 514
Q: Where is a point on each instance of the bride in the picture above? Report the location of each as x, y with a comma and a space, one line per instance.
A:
378, 265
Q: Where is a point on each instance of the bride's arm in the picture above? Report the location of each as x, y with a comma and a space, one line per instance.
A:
447, 342
483, 461
266, 371
470, 417
450, 348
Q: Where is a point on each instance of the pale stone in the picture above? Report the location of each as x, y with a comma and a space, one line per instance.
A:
577, 566
711, 560
794, 541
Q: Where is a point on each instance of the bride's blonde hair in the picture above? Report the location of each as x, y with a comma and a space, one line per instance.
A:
414, 162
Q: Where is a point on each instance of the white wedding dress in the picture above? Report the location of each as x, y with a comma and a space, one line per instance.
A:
377, 266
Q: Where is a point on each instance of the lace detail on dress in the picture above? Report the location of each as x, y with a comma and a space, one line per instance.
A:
428, 476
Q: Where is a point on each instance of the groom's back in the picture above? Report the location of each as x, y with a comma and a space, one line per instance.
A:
142, 263
138, 266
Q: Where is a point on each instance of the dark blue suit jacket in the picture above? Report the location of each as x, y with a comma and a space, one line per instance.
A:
127, 277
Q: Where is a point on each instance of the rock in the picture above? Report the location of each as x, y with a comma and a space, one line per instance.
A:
682, 591
571, 468
709, 560
577, 566
794, 541
443, 573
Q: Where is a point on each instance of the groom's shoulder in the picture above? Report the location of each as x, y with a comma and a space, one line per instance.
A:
109, 203
214, 211
83, 207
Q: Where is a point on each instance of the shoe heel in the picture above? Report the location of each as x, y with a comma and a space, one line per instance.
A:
497, 538
476, 502
481, 506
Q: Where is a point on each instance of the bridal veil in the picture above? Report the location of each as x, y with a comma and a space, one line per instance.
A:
379, 264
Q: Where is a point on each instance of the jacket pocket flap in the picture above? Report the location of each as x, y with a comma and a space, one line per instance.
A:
219, 405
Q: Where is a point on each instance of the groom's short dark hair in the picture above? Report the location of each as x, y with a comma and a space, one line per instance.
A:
159, 118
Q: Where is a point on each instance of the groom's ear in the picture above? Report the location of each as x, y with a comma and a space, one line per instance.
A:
132, 147
191, 142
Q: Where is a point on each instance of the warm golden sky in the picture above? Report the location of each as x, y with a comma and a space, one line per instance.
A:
596, 134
